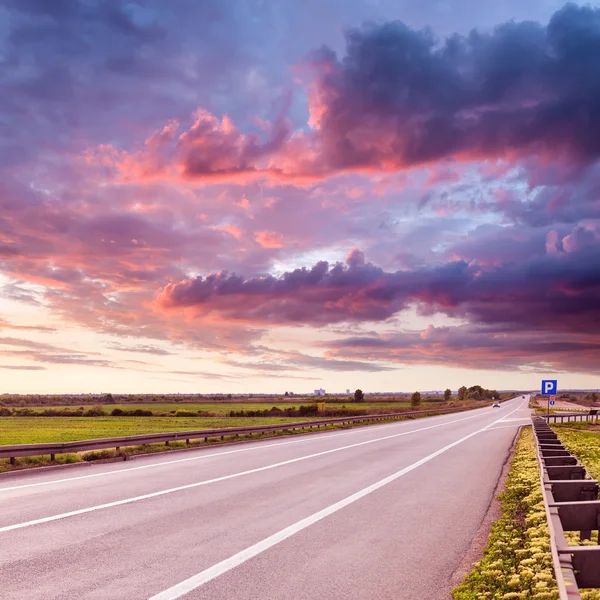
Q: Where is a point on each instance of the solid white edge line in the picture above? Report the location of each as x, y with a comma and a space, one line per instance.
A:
205, 456
189, 486
194, 582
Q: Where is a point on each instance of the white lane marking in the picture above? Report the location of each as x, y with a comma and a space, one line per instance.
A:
204, 456
194, 582
189, 486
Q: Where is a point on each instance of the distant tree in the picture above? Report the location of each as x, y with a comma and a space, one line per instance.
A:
447, 395
359, 396
573, 398
592, 396
415, 399
475, 392
286, 395
108, 399
462, 393
229, 396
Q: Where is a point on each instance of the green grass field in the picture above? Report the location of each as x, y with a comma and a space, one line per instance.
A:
225, 408
38, 430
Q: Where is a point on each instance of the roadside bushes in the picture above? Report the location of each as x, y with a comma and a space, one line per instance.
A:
138, 412
186, 413
305, 410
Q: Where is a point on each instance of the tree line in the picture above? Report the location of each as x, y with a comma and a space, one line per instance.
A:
475, 392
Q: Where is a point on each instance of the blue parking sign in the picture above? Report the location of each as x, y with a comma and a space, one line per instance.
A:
549, 387
552, 403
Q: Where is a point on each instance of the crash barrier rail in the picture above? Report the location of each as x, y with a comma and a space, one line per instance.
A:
592, 416
571, 502
24, 450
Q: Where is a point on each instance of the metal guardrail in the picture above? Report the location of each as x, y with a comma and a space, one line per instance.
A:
24, 450
571, 502
592, 416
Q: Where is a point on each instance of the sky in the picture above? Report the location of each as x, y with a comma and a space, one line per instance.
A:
247, 196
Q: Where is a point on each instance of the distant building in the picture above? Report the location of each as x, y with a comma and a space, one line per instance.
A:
320, 392
347, 391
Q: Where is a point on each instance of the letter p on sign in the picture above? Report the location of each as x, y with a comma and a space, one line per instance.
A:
549, 387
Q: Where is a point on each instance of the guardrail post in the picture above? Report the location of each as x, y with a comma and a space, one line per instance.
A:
117, 448
187, 442
52, 457
12, 460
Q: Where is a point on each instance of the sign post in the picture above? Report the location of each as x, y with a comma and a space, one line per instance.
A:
550, 403
549, 388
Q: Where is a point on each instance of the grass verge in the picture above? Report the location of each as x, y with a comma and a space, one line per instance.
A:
516, 563
583, 441
38, 461
39, 430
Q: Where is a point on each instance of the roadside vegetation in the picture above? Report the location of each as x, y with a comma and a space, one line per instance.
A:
39, 430
53, 419
228, 410
516, 564
583, 441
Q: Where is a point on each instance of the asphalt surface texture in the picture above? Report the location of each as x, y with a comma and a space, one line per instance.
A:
378, 512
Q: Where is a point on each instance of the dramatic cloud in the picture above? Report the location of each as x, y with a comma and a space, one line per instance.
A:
555, 291
184, 182
401, 97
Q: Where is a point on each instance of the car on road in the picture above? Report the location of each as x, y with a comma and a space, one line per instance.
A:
496, 405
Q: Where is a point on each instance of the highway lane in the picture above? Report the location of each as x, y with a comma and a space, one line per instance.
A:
384, 511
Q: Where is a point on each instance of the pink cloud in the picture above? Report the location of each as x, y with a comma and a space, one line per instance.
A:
269, 239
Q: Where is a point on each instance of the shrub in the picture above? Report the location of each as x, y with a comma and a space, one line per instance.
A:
117, 412
95, 411
415, 399
308, 410
186, 413
5, 412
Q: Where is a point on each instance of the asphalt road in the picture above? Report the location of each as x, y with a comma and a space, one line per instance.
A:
378, 512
